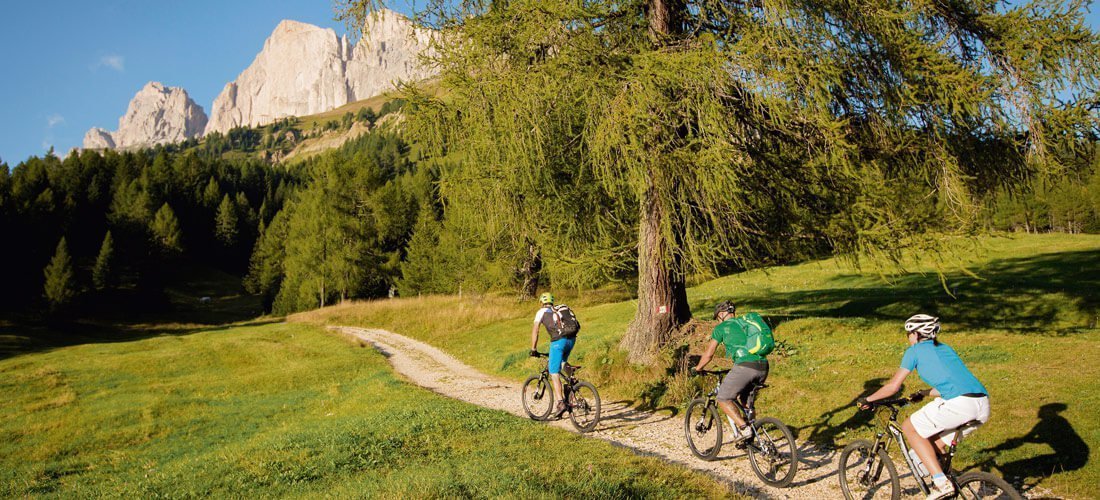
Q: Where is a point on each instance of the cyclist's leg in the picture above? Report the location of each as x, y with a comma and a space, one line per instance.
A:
553, 365
931, 422
732, 386
760, 377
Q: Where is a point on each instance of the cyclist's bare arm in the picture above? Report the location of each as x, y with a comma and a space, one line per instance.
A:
707, 354
534, 337
892, 387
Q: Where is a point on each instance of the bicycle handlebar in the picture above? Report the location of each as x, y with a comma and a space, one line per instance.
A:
889, 403
542, 354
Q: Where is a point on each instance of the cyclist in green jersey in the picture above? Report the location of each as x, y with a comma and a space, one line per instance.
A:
747, 368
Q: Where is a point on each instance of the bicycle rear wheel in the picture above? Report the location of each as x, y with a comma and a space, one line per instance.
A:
773, 453
703, 429
977, 484
866, 474
538, 397
584, 404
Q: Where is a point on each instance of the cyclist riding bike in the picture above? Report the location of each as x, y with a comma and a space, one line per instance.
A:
960, 397
560, 347
748, 369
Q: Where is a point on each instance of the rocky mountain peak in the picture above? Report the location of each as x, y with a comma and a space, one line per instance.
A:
304, 70
156, 115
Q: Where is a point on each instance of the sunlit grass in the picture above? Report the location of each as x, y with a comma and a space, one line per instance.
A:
1022, 311
283, 410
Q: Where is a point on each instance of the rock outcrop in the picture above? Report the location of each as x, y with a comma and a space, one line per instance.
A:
97, 138
304, 70
156, 115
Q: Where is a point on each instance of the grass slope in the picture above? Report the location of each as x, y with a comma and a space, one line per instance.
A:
1022, 312
282, 410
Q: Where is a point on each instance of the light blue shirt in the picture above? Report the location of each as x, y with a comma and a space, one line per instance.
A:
940, 367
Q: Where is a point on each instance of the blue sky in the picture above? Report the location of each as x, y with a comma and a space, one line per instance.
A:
67, 66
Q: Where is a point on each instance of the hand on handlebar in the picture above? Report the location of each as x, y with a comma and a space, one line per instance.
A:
863, 404
693, 372
534, 353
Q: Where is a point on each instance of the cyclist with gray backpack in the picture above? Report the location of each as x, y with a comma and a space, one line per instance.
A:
747, 340
562, 325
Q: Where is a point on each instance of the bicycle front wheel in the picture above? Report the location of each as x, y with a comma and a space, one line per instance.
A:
538, 397
703, 429
866, 474
584, 404
773, 454
977, 484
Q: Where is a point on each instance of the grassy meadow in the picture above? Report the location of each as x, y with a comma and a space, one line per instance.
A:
1021, 310
288, 410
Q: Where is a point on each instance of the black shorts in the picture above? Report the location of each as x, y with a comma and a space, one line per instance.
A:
740, 379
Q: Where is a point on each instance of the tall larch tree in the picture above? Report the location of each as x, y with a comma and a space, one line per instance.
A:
733, 131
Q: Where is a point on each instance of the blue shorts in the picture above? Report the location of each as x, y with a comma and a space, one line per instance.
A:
559, 353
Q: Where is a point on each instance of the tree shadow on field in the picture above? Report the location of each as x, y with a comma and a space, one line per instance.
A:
1070, 452
200, 300
1008, 294
822, 432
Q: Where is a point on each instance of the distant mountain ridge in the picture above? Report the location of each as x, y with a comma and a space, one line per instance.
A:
302, 70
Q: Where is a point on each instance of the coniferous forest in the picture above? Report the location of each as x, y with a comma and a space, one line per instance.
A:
350, 223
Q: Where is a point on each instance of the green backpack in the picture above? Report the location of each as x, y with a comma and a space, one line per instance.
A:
759, 339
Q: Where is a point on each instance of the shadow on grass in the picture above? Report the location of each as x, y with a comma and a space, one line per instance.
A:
822, 432
1068, 451
201, 300
1009, 294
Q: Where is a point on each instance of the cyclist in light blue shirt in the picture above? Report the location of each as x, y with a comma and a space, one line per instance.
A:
960, 397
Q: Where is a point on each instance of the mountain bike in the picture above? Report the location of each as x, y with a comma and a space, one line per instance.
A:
772, 452
582, 401
866, 470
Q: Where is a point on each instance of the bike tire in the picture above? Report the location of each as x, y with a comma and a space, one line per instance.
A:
979, 484
538, 397
773, 453
703, 429
859, 469
584, 406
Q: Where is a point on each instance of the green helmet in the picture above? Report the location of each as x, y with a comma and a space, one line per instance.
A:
546, 298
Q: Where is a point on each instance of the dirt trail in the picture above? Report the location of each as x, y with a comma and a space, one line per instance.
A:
645, 432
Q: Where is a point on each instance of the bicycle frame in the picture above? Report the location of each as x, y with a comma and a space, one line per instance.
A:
882, 441
748, 411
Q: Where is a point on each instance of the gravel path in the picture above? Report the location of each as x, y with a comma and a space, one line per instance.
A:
647, 433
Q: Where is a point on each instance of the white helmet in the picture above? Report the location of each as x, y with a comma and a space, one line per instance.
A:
925, 326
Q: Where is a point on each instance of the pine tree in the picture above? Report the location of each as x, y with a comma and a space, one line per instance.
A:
60, 284
102, 273
421, 268
166, 230
225, 224
713, 131
211, 194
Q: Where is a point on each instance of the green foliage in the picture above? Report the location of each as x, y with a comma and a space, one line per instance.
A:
60, 284
166, 230
88, 194
345, 231
697, 136
422, 270
102, 272
225, 223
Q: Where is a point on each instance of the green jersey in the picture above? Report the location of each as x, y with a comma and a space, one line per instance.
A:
734, 337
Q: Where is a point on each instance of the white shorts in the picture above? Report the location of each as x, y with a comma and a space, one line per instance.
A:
941, 416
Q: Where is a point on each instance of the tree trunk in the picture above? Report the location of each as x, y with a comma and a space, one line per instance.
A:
662, 295
529, 272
